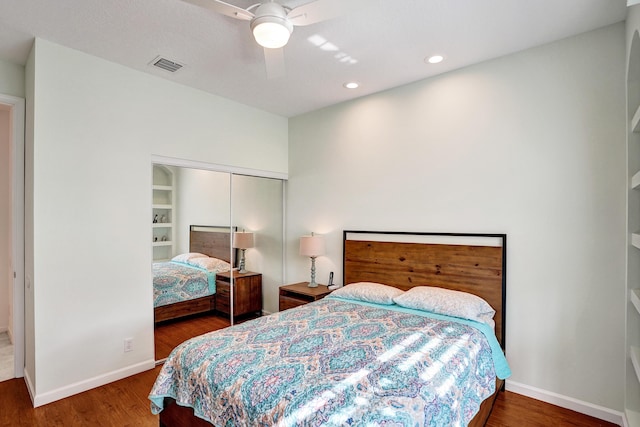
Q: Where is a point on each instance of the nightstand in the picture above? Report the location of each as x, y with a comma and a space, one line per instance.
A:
247, 295
300, 294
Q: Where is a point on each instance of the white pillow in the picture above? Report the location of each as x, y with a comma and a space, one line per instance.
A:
368, 292
448, 302
186, 257
214, 265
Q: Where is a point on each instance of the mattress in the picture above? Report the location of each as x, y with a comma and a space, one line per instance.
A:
175, 282
336, 362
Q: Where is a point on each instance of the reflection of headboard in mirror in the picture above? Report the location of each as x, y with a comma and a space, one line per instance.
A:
213, 241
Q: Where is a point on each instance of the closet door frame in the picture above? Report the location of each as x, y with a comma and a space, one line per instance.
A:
234, 170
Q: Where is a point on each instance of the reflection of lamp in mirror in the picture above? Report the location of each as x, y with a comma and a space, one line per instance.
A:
312, 246
242, 240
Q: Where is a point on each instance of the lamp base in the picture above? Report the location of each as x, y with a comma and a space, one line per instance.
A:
312, 283
241, 269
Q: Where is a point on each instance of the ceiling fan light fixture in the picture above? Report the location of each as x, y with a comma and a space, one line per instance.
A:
270, 33
271, 28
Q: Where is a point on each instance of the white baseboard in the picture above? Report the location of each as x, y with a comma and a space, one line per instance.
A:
30, 389
583, 407
79, 387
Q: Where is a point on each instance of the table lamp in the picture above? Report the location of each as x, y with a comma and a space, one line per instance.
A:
242, 240
312, 246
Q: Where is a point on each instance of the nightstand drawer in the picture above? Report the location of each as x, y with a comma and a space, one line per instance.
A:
287, 302
300, 294
247, 293
222, 297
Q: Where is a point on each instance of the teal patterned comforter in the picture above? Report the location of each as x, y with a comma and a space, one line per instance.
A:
333, 363
174, 282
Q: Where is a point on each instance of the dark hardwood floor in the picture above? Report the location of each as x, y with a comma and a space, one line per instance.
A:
124, 403
171, 333
513, 409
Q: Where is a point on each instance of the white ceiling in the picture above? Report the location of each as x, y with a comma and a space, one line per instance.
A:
389, 39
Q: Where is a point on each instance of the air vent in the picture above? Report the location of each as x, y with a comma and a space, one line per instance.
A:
166, 64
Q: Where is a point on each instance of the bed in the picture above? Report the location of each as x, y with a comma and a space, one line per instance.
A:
346, 361
186, 286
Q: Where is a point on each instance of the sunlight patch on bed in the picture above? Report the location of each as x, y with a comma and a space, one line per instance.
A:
439, 364
354, 378
341, 417
319, 402
396, 349
446, 386
361, 401
419, 354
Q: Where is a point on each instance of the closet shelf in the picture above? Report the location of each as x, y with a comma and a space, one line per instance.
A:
635, 181
164, 212
635, 298
634, 352
161, 225
635, 122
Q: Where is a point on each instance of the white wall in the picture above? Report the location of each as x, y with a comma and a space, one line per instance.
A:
95, 126
12, 79
6, 271
202, 198
532, 145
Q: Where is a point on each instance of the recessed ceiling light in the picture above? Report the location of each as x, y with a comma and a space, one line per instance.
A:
351, 85
434, 59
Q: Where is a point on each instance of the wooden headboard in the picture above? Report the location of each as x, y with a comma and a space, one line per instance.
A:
213, 241
473, 263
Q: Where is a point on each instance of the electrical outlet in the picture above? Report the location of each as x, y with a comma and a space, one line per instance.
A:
128, 345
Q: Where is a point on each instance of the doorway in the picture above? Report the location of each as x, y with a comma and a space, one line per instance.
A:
12, 113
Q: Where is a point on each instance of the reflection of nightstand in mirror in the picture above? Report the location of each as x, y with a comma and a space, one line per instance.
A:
300, 294
247, 296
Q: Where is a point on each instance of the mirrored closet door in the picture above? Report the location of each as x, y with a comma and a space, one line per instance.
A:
257, 215
191, 218
230, 218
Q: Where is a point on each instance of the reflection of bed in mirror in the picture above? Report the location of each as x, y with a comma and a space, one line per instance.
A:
354, 357
186, 286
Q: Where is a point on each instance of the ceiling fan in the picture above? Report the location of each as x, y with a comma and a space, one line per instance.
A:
272, 23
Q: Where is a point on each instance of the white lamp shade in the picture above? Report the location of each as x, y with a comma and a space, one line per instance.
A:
242, 240
312, 246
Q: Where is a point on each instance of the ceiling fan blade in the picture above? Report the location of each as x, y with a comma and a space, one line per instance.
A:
322, 10
274, 62
223, 8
